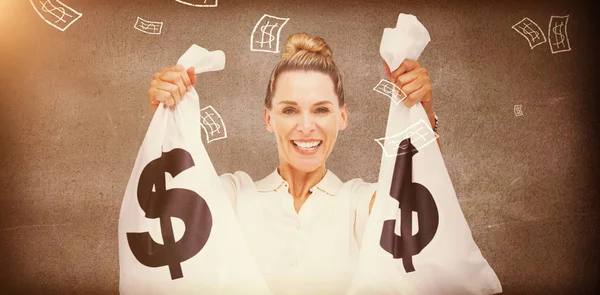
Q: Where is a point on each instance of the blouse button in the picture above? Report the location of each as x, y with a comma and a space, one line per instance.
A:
298, 225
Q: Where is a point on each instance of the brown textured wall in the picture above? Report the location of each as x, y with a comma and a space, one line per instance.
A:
73, 114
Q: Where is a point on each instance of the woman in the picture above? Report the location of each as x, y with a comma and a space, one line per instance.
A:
302, 224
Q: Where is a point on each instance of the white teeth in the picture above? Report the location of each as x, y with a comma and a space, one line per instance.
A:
307, 145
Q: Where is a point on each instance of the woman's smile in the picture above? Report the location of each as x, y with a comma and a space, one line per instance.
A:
306, 146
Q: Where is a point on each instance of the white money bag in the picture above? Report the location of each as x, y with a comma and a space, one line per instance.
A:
177, 230
416, 240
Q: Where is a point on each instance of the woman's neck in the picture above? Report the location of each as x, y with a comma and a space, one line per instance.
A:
301, 182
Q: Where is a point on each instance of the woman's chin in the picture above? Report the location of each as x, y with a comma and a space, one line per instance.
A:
308, 165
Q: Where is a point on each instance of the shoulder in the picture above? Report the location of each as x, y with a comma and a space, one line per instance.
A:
359, 186
360, 192
237, 175
237, 180
235, 183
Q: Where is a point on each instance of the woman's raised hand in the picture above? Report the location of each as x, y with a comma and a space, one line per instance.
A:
414, 81
170, 85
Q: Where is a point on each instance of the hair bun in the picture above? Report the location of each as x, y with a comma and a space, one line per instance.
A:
303, 42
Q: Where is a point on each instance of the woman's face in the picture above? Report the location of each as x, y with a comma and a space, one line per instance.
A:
305, 117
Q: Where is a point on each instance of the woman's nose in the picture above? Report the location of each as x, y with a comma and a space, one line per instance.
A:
306, 124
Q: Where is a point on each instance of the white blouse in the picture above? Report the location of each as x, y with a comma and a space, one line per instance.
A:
310, 252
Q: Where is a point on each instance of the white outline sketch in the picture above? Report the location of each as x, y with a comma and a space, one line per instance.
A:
518, 110
60, 9
564, 36
219, 124
200, 5
270, 33
393, 95
391, 143
529, 37
145, 25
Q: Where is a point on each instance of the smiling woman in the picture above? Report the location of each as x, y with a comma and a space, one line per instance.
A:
302, 223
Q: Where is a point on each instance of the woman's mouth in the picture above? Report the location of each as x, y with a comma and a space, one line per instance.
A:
306, 147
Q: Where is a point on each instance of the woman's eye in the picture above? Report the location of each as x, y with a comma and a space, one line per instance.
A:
288, 111
322, 110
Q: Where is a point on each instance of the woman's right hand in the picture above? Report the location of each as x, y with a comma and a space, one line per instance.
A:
170, 85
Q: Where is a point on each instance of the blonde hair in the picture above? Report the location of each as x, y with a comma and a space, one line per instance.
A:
306, 53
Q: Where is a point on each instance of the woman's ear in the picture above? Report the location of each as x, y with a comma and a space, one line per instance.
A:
268, 120
344, 117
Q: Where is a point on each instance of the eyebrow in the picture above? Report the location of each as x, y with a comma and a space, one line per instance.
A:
295, 103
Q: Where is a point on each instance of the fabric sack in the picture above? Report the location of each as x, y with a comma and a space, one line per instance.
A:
177, 230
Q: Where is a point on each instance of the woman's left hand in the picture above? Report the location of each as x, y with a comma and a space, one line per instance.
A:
414, 81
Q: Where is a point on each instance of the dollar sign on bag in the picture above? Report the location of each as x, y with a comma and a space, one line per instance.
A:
158, 202
411, 197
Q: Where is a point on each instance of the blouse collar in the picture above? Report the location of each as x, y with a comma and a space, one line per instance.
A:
329, 184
